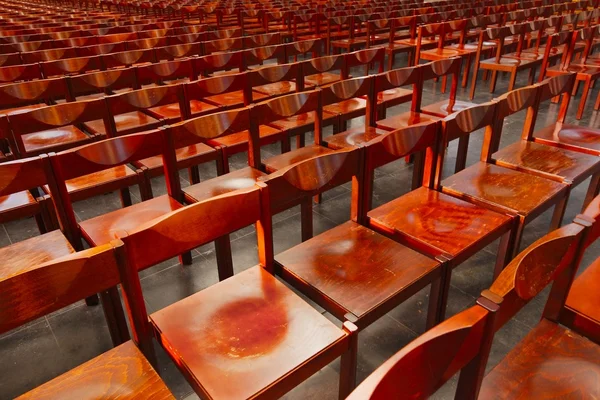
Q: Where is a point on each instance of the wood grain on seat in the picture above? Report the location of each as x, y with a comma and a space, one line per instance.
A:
38, 141
122, 372
280, 161
353, 137
238, 179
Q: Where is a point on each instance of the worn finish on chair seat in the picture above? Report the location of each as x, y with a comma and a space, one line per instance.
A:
102, 229
439, 222
353, 137
280, 161
67, 135
122, 372
530, 156
507, 64
235, 345
512, 190
30, 253
572, 137
232, 99
20, 200
197, 153
99, 182
440, 109
172, 113
347, 107
351, 268
581, 310
238, 179
405, 119
126, 123
274, 89
551, 362
321, 79
394, 96
302, 120
238, 142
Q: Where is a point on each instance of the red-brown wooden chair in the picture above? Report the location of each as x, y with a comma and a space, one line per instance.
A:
165, 73
187, 330
321, 71
220, 64
70, 66
34, 288
222, 45
128, 58
56, 127
97, 85
334, 278
276, 80
463, 342
261, 40
209, 95
308, 48
16, 73
101, 49
177, 51
562, 165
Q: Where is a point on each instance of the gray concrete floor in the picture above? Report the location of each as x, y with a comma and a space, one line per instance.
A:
45, 348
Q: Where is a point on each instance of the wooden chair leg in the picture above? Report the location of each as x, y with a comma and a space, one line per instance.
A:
286, 145
349, 361
307, 219
474, 80
145, 187
583, 100
493, 81
518, 236
461, 154
418, 170
505, 251
559, 212
513, 79
443, 292
300, 140
224, 258
115, 317
194, 174
465, 78
390, 61
125, 197
435, 296
593, 190
39, 221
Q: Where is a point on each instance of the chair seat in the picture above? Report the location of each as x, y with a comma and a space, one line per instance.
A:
321, 79
443, 53
350, 106
239, 336
550, 362
199, 152
280, 161
120, 372
512, 190
567, 164
172, 113
238, 179
438, 221
102, 229
440, 109
21, 110
594, 71
395, 96
31, 253
302, 120
66, 136
275, 88
583, 301
529, 56
104, 181
353, 137
508, 62
233, 99
135, 121
238, 142
358, 276
405, 119
22, 201
573, 137
472, 47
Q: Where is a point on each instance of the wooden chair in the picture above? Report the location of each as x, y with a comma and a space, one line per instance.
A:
414, 219
208, 324
276, 80
389, 88
256, 57
223, 45
587, 73
25, 96
220, 63
567, 166
166, 72
128, 58
37, 287
97, 85
261, 40
320, 71
463, 342
177, 51
57, 127
334, 278
208, 95
304, 48
503, 189
70, 66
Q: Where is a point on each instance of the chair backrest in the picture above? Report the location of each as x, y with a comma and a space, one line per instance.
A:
352, 88
35, 92
366, 58
70, 66
128, 58
20, 175
258, 55
304, 47
38, 290
289, 186
207, 87
162, 72
211, 63
277, 73
223, 45
325, 64
102, 82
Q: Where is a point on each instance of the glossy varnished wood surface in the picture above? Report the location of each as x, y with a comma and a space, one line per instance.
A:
355, 267
172, 111
405, 119
239, 141
584, 296
126, 122
280, 161
106, 176
549, 159
102, 229
552, 362
238, 179
353, 137
16, 200
199, 150
120, 373
38, 141
300, 120
514, 190
578, 138
22, 256
440, 221
440, 109
239, 336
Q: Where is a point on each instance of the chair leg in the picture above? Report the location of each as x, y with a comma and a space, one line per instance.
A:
505, 252
194, 174
474, 80
418, 170
307, 219
559, 212
39, 221
461, 154
125, 197
300, 140
493, 81
518, 236
465, 79
443, 293
435, 296
583, 100
115, 317
391, 61
592, 191
224, 258
286, 145
513, 79
349, 361
597, 103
